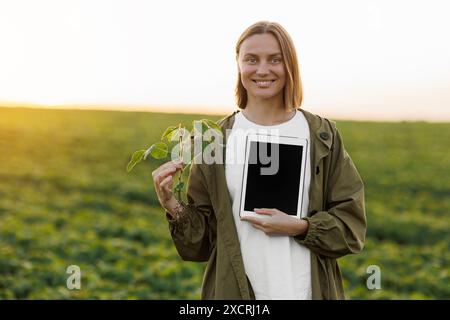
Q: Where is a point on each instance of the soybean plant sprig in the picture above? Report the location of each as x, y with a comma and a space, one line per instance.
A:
160, 150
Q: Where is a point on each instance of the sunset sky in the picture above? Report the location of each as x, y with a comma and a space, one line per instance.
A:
359, 59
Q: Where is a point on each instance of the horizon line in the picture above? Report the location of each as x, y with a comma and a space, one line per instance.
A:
218, 110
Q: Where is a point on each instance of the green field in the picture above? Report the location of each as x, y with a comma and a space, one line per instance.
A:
65, 198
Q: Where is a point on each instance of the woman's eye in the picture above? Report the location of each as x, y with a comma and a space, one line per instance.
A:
253, 60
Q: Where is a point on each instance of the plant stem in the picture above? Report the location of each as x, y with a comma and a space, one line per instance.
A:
181, 157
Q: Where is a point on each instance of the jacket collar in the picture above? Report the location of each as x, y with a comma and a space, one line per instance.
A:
319, 130
321, 137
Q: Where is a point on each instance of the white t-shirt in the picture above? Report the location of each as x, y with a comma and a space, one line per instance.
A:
277, 266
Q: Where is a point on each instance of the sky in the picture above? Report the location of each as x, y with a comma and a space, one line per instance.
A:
359, 59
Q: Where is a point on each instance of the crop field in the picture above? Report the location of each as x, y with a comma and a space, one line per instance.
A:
66, 199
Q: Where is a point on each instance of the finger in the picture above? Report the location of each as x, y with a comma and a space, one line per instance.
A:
252, 220
168, 171
165, 189
176, 163
173, 163
264, 211
164, 173
256, 226
245, 218
158, 179
167, 183
158, 189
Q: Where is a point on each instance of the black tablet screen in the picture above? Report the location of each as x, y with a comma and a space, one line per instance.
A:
269, 185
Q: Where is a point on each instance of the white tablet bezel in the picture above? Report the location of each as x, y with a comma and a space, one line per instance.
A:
274, 139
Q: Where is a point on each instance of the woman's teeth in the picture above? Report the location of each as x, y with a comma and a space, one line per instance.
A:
264, 83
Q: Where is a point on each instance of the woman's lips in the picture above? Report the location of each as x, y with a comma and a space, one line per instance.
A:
263, 83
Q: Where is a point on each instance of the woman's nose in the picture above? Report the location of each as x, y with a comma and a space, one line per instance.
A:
262, 70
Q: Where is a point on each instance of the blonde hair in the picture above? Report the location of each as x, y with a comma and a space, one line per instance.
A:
293, 89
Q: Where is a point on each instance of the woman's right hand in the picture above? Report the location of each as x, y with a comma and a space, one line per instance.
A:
163, 181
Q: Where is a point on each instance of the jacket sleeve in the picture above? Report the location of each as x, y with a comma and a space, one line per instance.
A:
341, 229
194, 231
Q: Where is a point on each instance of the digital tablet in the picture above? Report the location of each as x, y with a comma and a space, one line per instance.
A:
274, 174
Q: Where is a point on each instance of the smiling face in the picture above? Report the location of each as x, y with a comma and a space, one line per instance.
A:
261, 67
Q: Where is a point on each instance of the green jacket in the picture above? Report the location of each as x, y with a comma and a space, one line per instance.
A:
205, 231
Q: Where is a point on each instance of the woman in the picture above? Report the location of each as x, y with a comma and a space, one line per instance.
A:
275, 256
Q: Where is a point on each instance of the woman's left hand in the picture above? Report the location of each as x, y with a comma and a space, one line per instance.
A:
277, 222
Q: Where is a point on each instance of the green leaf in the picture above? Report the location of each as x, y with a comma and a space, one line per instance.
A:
158, 150
212, 125
135, 159
179, 132
168, 133
179, 186
208, 136
205, 144
199, 127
